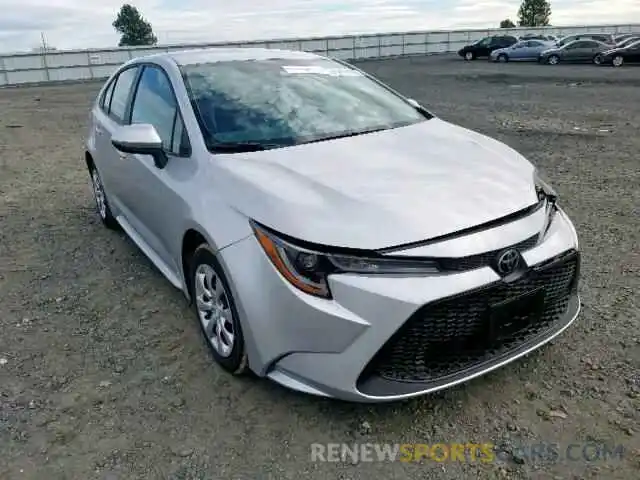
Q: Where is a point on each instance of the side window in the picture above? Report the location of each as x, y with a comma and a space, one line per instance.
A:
121, 92
155, 103
105, 101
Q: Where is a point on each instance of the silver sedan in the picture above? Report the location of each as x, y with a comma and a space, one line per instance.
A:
329, 233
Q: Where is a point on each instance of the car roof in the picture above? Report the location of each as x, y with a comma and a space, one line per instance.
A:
221, 54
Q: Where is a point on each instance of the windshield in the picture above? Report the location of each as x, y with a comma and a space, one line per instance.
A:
483, 41
275, 103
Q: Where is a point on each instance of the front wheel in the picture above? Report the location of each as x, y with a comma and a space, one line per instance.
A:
553, 60
503, 58
618, 61
216, 311
468, 56
597, 60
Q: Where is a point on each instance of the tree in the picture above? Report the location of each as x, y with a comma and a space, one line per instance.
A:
135, 30
507, 23
534, 13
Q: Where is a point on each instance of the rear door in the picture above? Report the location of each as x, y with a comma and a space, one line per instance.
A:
591, 49
576, 51
111, 114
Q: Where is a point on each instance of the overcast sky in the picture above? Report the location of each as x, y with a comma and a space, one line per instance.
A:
87, 23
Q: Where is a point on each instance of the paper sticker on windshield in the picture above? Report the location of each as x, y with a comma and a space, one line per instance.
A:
318, 70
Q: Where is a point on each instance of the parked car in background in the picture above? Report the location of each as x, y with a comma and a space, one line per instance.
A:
484, 46
579, 51
601, 37
627, 41
620, 55
523, 51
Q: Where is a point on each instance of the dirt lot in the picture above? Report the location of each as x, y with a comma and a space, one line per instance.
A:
103, 373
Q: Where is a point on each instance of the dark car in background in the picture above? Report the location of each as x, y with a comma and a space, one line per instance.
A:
620, 55
578, 51
486, 45
601, 37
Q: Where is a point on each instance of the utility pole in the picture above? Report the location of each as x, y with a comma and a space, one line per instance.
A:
44, 42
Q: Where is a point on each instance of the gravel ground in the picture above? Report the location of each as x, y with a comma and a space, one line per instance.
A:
103, 373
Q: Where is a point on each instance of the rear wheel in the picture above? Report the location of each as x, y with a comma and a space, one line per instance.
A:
597, 59
618, 61
216, 311
100, 197
503, 58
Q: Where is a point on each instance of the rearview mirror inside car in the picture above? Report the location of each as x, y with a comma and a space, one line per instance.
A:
142, 139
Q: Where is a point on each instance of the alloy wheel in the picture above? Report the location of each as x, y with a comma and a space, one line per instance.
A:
618, 61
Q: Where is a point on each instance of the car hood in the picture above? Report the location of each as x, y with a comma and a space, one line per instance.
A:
381, 189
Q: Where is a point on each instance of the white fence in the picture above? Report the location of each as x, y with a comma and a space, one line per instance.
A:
69, 65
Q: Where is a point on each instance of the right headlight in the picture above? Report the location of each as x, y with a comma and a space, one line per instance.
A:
308, 269
543, 189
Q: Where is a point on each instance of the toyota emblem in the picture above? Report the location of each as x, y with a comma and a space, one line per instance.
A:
508, 261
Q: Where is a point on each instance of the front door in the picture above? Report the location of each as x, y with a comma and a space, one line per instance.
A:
152, 193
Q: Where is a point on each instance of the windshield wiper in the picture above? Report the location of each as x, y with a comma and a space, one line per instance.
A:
348, 134
238, 147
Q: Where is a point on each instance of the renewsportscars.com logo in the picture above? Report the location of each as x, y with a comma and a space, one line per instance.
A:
463, 452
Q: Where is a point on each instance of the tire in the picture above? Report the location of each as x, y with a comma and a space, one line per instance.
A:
597, 60
100, 198
215, 309
553, 60
617, 61
503, 58
468, 56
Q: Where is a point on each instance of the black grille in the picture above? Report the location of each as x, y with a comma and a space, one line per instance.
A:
472, 262
449, 336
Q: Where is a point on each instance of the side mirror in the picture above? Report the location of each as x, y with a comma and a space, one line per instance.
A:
141, 139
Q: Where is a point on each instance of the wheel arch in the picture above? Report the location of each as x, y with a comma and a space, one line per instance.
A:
191, 240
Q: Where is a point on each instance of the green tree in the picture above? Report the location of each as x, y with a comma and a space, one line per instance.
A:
507, 23
534, 13
135, 30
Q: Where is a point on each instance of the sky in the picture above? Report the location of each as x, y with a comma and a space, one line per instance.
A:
87, 23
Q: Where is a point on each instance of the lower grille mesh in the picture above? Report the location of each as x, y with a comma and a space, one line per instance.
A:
449, 336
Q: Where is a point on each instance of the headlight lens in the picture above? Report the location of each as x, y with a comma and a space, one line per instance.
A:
308, 270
